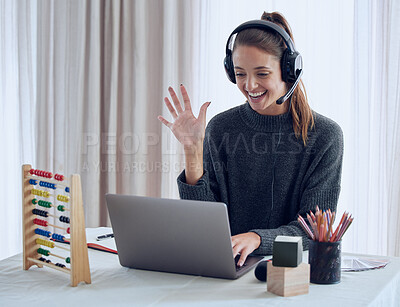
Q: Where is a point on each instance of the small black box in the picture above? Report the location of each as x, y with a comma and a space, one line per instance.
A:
287, 251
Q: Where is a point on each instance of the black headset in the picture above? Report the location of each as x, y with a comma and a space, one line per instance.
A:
291, 61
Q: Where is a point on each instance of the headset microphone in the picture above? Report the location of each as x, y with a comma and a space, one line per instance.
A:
290, 92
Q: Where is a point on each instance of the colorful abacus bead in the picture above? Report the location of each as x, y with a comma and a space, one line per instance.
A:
42, 232
40, 193
67, 189
47, 185
32, 181
58, 177
44, 260
40, 212
45, 243
34, 201
43, 251
40, 173
63, 198
64, 219
44, 203
68, 260
57, 237
40, 222
60, 265
68, 230
61, 208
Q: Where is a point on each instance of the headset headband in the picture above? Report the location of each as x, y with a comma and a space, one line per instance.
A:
262, 24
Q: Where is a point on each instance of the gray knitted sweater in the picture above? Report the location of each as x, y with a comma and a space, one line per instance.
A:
265, 175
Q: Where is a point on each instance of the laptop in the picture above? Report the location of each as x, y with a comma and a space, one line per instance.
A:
175, 236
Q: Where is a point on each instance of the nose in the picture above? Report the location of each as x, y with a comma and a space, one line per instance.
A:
251, 83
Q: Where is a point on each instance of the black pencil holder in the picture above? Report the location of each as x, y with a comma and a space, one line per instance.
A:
325, 262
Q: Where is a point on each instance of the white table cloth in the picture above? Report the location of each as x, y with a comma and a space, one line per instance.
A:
113, 285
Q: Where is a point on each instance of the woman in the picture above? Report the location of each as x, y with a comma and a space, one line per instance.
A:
270, 159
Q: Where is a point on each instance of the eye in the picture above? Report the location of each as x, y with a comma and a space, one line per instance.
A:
239, 74
262, 74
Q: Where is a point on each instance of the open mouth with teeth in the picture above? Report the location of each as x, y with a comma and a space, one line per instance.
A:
256, 97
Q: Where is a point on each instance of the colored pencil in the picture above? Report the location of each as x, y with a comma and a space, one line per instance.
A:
305, 226
320, 225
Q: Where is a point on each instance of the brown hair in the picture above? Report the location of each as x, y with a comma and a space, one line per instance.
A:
272, 43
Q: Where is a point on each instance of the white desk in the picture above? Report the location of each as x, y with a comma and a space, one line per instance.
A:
115, 285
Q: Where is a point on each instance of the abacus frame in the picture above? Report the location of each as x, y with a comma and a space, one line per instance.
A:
79, 270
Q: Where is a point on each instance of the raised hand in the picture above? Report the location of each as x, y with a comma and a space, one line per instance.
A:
188, 129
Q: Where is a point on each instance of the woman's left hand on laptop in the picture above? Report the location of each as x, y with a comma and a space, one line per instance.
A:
244, 244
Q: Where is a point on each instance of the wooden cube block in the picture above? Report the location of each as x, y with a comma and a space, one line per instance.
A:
287, 281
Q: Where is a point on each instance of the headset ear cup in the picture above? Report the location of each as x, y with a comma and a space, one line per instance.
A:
291, 65
285, 66
230, 72
297, 63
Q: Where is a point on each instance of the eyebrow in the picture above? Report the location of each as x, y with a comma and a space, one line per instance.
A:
257, 68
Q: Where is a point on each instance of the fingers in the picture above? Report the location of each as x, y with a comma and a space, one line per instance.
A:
243, 257
175, 111
175, 100
241, 249
186, 100
238, 248
203, 111
164, 121
244, 244
170, 108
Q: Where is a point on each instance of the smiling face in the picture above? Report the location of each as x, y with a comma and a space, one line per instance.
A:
259, 78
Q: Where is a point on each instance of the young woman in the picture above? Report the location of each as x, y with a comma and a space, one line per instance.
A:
269, 159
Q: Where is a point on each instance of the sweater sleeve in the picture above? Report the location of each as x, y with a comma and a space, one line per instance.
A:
321, 188
207, 188
200, 191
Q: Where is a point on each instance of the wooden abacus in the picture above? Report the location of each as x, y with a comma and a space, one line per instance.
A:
35, 237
